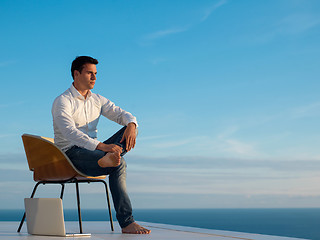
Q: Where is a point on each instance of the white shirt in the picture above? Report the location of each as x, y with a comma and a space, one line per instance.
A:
75, 118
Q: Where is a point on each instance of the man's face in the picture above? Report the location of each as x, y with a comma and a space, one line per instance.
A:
87, 78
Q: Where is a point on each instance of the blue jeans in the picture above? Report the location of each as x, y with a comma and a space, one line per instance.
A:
86, 161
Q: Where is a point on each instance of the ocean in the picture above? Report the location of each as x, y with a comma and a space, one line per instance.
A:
300, 223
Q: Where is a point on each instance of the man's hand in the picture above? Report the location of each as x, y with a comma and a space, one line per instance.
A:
109, 148
130, 136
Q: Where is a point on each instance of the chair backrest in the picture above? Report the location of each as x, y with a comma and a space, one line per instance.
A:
46, 160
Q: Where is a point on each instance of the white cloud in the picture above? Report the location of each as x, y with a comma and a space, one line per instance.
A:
179, 29
306, 110
11, 104
172, 143
223, 144
7, 63
240, 148
147, 138
301, 111
231, 176
297, 23
229, 145
209, 178
267, 134
211, 9
165, 32
290, 25
8, 135
156, 61
229, 131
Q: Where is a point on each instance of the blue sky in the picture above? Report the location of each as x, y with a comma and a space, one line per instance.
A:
226, 94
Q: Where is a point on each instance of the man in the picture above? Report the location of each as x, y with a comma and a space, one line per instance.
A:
76, 113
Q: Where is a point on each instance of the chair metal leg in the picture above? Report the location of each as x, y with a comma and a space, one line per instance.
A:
62, 190
108, 201
24, 215
78, 203
78, 198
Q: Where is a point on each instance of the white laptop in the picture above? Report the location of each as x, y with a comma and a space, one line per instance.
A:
45, 217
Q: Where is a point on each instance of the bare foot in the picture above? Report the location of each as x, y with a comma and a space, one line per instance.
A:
110, 160
135, 228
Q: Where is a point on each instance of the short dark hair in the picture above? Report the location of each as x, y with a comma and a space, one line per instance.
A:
79, 61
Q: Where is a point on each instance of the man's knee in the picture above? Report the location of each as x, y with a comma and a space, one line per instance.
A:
120, 170
123, 164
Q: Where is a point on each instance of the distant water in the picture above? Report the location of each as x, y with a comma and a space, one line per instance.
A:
300, 223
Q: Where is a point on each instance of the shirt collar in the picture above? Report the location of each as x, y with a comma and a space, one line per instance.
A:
76, 94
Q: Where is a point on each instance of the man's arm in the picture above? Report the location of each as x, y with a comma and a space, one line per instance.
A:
122, 117
130, 136
109, 147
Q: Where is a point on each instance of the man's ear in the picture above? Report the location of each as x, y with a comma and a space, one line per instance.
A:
76, 73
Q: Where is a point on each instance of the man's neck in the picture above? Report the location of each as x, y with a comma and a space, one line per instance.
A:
83, 92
